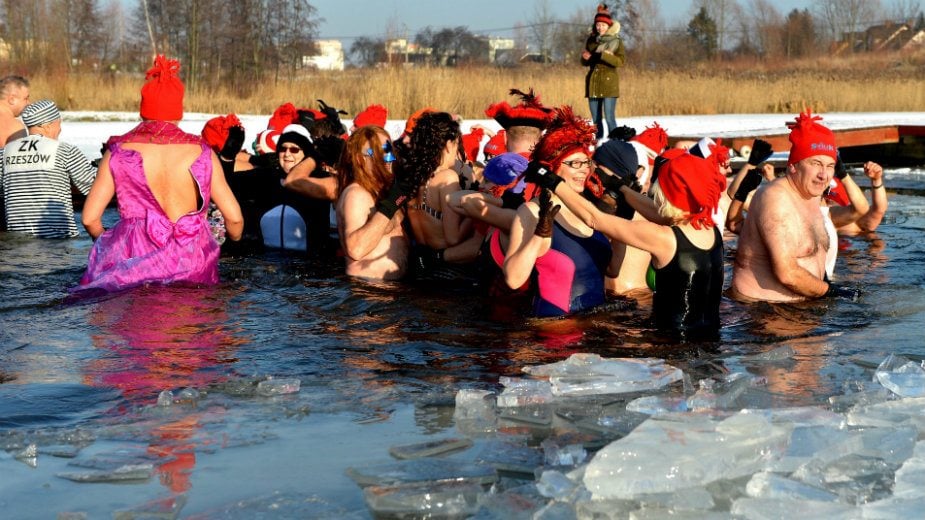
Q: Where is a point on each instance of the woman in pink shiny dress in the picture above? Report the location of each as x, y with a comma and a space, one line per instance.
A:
164, 180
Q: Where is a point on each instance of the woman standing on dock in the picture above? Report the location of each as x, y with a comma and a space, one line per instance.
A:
603, 54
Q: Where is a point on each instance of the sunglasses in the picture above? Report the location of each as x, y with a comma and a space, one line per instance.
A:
576, 164
291, 149
387, 153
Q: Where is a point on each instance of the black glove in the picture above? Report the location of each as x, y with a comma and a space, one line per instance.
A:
539, 173
399, 193
749, 183
233, 143
547, 215
511, 200
840, 170
761, 150
613, 183
622, 133
840, 291
425, 259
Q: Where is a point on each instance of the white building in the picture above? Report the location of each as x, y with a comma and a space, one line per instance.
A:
330, 56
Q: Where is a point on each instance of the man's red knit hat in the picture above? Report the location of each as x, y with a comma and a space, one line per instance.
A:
216, 130
162, 94
375, 115
694, 185
497, 145
809, 138
529, 112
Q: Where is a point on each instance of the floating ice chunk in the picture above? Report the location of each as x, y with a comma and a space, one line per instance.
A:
845, 402
538, 415
187, 396
555, 511
475, 412
805, 443
777, 508
166, 509
271, 386
510, 457
890, 413
721, 395
424, 500
523, 392
668, 453
657, 404
429, 449
165, 398
517, 503
568, 455
555, 484
589, 374
126, 473
901, 376
771, 485
422, 471
784, 353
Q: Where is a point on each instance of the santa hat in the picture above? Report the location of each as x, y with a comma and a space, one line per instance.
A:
567, 134
837, 193
497, 145
297, 135
216, 130
809, 138
162, 95
603, 15
284, 115
375, 115
654, 138
472, 143
266, 141
693, 185
529, 112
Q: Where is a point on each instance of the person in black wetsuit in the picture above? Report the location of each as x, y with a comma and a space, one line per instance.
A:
686, 248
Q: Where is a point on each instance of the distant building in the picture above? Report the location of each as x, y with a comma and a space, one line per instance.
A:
330, 56
888, 36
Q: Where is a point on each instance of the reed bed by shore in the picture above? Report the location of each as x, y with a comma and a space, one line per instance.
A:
826, 85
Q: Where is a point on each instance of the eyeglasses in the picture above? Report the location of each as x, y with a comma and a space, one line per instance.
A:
291, 149
387, 154
576, 164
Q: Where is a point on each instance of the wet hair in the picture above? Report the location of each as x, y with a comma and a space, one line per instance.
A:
7, 83
373, 175
327, 127
519, 134
665, 208
419, 161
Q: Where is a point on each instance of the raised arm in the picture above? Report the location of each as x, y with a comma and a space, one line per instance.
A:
227, 203
300, 181
879, 202
525, 246
844, 215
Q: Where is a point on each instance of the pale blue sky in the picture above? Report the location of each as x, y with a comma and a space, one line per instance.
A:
347, 19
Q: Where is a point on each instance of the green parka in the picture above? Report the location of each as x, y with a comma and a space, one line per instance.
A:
607, 54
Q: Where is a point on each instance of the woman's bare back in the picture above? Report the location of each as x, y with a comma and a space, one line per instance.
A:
167, 171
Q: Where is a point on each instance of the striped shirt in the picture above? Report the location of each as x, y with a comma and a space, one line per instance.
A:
35, 178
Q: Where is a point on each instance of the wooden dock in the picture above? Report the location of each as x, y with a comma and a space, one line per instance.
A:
889, 145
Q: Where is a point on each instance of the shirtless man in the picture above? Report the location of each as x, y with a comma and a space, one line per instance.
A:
14, 96
783, 244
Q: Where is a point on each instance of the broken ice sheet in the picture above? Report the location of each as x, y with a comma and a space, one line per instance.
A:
281, 505
777, 508
422, 470
910, 478
910, 410
784, 353
676, 451
522, 392
538, 415
430, 448
770, 485
520, 502
510, 457
475, 412
127, 473
589, 374
427, 499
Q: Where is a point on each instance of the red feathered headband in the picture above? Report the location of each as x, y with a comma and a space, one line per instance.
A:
567, 134
693, 185
162, 94
529, 112
809, 138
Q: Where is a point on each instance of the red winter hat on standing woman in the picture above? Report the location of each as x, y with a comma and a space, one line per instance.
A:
809, 138
693, 185
162, 94
216, 130
603, 15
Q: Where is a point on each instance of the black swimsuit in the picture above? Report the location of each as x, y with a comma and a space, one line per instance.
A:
689, 289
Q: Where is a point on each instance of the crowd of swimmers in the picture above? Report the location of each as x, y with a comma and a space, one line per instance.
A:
542, 216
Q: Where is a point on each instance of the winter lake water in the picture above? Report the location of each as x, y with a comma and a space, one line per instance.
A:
381, 366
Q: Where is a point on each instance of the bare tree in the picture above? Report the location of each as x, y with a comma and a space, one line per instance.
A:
764, 27
841, 19
542, 27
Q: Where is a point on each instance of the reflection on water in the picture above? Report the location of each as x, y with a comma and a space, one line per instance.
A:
370, 356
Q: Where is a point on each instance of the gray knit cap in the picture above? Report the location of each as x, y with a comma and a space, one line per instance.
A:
40, 112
